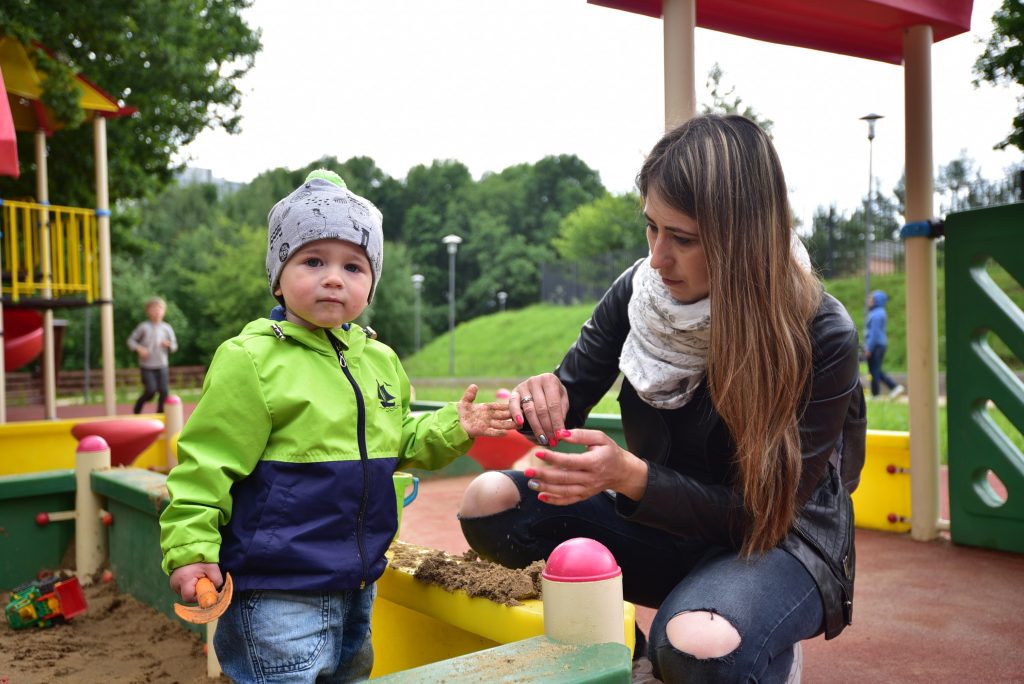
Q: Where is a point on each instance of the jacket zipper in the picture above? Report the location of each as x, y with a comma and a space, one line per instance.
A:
363, 456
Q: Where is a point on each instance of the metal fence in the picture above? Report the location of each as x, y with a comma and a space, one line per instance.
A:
575, 282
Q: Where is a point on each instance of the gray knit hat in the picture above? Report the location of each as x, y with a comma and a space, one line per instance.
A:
323, 208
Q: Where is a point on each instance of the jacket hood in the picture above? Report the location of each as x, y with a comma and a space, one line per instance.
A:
880, 298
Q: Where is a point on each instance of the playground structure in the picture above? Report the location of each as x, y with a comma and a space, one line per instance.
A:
51, 256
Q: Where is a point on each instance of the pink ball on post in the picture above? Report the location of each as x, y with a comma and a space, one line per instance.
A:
582, 588
92, 443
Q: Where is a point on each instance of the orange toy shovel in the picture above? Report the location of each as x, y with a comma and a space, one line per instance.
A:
211, 604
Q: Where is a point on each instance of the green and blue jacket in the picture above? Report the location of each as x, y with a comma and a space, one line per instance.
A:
285, 466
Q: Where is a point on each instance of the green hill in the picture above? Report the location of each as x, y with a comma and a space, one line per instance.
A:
515, 344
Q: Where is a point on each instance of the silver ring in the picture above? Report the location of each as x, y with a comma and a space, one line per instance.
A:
525, 400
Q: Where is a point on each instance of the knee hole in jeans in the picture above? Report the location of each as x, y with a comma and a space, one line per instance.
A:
488, 494
702, 634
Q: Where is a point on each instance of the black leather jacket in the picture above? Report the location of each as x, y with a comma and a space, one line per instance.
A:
689, 450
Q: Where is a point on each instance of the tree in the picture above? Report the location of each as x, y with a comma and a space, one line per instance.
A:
1002, 62
393, 308
610, 223
836, 243
176, 61
728, 103
955, 177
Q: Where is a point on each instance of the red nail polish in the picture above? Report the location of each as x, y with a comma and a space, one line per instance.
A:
563, 434
554, 442
542, 497
519, 421
541, 455
530, 472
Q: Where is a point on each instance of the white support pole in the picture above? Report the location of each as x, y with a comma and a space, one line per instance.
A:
922, 317
173, 422
679, 19
99, 127
90, 537
46, 267
212, 664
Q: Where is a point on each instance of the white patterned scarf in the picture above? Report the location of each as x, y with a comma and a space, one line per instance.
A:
665, 354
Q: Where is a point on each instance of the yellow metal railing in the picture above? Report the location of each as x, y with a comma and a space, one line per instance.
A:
74, 251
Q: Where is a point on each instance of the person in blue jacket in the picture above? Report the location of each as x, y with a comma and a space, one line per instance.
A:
875, 343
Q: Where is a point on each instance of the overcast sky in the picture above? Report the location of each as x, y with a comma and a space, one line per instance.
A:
493, 83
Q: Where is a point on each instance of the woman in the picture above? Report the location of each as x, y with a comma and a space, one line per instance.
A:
728, 511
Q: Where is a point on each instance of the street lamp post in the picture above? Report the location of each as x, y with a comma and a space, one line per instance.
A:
502, 297
417, 285
452, 242
871, 119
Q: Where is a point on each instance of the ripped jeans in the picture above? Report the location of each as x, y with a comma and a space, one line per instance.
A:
772, 600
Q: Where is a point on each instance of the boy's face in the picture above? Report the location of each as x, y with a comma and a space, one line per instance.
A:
325, 284
155, 312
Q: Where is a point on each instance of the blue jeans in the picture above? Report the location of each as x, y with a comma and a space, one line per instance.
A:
280, 637
878, 375
772, 600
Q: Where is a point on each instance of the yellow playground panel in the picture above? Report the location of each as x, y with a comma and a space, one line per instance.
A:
38, 445
433, 624
882, 501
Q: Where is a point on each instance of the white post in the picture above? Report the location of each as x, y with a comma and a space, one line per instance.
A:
679, 21
46, 268
173, 423
922, 316
99, 128
212, 664
582, 589
90, 539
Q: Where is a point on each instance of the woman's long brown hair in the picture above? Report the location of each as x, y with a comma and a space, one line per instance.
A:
724, 172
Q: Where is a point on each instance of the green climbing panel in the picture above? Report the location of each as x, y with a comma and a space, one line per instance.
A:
983, 323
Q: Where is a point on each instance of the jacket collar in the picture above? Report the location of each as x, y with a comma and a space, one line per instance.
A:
352, 340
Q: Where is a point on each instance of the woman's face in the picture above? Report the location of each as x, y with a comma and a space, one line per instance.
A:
676, 251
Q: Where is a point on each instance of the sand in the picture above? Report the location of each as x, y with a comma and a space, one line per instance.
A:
116, 641
119, 640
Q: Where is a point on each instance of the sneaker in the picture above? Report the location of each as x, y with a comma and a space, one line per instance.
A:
797, 667
643, 672
897, 391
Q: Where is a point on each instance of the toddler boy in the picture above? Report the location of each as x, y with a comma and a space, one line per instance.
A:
285, 466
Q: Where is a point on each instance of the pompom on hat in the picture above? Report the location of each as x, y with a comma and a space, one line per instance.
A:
323, 208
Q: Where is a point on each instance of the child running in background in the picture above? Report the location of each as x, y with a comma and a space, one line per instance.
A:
285, 473
152, 340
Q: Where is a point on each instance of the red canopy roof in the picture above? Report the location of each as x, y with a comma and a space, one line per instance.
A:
8, 138
872, 29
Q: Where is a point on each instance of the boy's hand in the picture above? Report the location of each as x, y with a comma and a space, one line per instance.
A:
183, 579
484, 420
143, 353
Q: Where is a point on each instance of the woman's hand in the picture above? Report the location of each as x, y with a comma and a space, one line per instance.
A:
184, 579
483, 420
542, 401
570, 478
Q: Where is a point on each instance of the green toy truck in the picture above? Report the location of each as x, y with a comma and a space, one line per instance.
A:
44, 602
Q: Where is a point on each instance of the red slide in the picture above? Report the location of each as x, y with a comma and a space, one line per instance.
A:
23, 337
